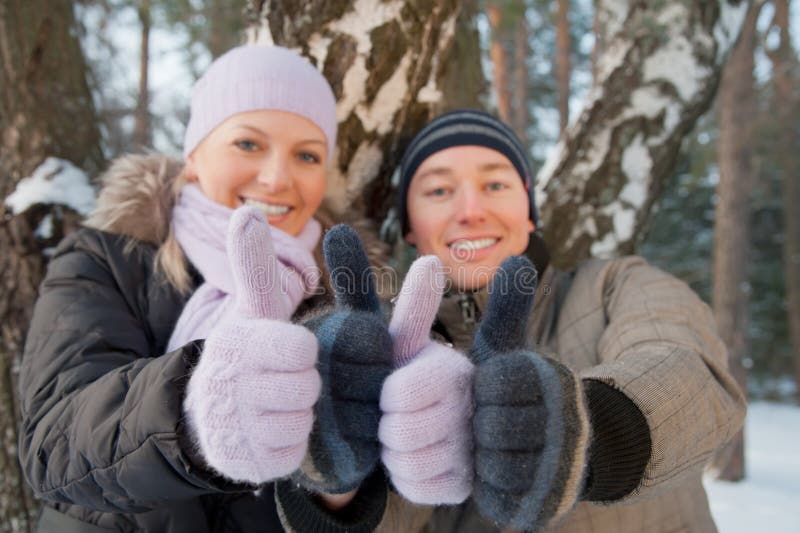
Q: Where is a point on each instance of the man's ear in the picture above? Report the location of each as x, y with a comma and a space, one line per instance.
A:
531, 226
410, 238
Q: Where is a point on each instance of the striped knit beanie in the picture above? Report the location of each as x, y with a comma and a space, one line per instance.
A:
463, 127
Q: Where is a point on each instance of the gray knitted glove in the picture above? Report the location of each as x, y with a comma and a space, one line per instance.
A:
531, 426
355, 357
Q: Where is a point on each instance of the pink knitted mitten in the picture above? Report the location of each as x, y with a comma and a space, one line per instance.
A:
426, 428
249, 400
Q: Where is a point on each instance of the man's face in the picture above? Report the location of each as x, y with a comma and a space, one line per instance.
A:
468, 206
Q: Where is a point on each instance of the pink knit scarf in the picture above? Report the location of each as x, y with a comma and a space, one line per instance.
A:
201, 227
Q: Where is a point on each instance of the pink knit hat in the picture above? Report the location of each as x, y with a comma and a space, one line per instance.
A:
254, 77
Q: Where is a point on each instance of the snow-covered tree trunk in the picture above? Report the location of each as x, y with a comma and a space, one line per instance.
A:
45, 110
657, 73
388, 61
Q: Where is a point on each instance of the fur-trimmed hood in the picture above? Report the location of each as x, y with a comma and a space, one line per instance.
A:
136, 198
138, 194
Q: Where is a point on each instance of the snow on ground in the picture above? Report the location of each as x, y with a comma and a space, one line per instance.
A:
769, 497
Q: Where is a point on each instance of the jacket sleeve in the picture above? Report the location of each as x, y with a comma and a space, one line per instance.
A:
663, 368
101, 413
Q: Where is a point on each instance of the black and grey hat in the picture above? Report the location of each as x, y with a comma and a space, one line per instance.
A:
460, 128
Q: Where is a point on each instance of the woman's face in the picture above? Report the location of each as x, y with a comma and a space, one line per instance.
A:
468, 206
274, 160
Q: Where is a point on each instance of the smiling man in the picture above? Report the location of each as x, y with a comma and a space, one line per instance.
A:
610, 431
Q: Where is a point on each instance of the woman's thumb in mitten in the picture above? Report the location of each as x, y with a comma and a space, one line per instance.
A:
254, 266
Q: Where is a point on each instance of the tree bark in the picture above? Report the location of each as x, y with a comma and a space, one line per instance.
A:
659, 69
461, 79
388, 63
731, 221
141, 130
562, 65
519, 120
224, 24
784, 83
45, 110
497, 54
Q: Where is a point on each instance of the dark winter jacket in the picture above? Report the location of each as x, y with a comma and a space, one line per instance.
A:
103, 440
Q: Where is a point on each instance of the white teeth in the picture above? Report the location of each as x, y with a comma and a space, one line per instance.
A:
477, 244
268, 209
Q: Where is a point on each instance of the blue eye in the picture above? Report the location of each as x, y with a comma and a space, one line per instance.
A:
496, 186
308, 157
246, 144
439, 191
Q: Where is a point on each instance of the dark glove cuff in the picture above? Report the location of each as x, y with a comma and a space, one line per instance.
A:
620, 448
300, 510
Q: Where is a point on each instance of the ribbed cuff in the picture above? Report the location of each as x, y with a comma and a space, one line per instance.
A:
300, 511
620, 447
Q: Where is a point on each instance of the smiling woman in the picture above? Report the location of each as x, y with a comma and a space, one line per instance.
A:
271, 159
176, 369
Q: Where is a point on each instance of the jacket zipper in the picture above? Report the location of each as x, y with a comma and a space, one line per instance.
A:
469, 311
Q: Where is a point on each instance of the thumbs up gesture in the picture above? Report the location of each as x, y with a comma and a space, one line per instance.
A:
354, 359
427, 401
531, 426
249, 400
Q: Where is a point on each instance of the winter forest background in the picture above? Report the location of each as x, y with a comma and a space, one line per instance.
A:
668, 129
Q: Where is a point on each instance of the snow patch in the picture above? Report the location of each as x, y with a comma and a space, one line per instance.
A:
624, 221
364, 167
365, 16
260, 33
671, 121
430, 93
591, 161
353, 88
648, 101
45, 228
636, 164
318, 49
673, 15
55, 181
676, 64
612, 58
605, 248
612, 14
768, 496
379, 117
